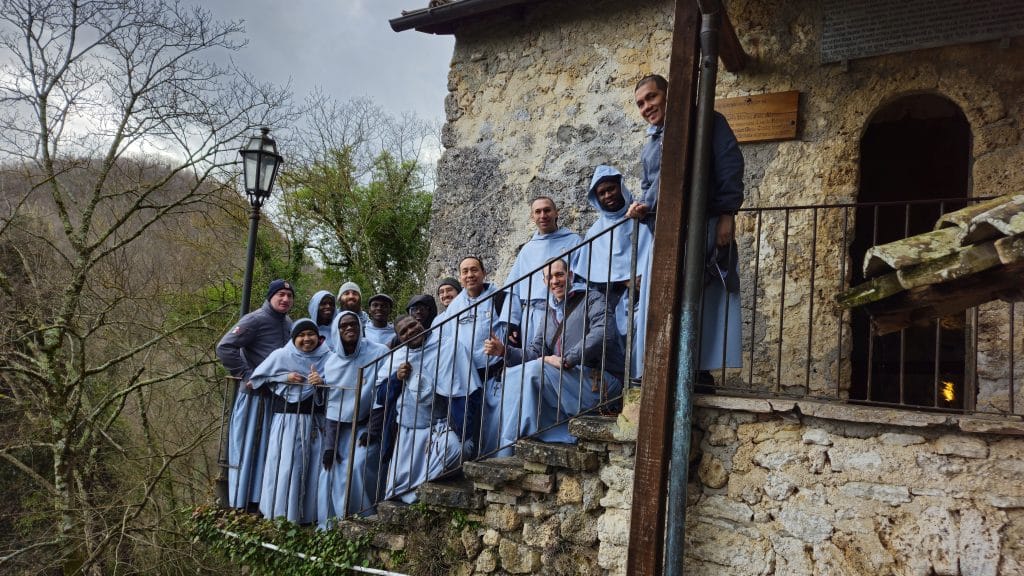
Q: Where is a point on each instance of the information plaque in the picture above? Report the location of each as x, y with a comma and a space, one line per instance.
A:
762, 117
860, 28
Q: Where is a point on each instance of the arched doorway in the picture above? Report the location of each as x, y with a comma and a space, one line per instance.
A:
915, 156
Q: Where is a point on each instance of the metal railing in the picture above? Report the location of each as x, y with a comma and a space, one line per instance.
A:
454, 402
438, 399
799, 342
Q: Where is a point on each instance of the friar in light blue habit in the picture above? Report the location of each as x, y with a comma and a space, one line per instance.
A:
434, 380
574, 366
721, 323
377, 328
346, 481
322, 309
241, 350
478, 312
549, 241
607, 262
291, 373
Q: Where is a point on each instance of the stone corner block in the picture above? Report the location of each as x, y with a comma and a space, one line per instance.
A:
565, 456
451, 494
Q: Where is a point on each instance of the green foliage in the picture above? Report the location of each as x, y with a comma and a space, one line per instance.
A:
373, 232
240, 538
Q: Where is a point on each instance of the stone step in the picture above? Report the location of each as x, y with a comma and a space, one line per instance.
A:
452, 493
494, 472
594, 428
567, 456
389, 512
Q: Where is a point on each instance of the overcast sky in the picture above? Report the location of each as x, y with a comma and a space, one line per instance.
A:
345, 47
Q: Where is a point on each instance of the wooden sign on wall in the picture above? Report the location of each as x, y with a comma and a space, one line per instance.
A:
762, 117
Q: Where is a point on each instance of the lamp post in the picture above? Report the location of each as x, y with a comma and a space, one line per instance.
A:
260, 162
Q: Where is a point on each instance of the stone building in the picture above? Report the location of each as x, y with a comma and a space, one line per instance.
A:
833, 450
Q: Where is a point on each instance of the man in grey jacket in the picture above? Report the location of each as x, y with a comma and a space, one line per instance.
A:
573, 366
241, 350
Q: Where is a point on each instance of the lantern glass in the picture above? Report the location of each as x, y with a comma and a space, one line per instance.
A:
260, 162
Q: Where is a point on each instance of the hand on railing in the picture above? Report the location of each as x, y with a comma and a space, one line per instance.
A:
404, 371
637, 210
493, 346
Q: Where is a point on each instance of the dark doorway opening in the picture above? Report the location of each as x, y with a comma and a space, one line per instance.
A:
915, 157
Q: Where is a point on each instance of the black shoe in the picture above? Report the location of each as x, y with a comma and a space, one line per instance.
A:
705, 383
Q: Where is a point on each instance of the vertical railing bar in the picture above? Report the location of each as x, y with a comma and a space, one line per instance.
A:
753, 306
350, 467
843, 257
1013, 349
631, 303
903, 331
938, 338
469, 377
810, 300
782, 301
936, 364
970, 389
871, 360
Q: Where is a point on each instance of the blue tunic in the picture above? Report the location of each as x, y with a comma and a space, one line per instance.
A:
341, 494
380, 336
608, 261
721, 322
290, 480
241, 350
473, 322
428, 443
532, 292
539, 396
314, 311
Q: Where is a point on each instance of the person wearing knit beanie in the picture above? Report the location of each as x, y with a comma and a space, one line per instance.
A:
448, 290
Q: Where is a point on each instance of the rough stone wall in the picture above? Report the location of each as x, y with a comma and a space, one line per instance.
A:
553, 509
781, 493
537, 101
534, 106
782, 488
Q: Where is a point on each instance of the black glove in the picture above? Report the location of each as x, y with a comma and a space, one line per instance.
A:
329, 457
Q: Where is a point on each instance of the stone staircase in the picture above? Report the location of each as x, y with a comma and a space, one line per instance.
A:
551, 508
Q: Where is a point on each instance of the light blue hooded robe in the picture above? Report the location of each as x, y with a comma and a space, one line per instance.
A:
532, 292
473, 321
290, 476
314, 311
541, 396
426, 446
608, 259
721, 323
340, 495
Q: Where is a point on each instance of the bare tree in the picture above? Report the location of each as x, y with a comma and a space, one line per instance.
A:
118, 131
358, 193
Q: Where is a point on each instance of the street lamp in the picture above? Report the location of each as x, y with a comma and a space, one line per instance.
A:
260, 162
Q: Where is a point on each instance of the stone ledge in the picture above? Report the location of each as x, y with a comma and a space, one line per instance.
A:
991, 425
594, 428
458, 493
566, 456
978, 424
389, 512
494, 471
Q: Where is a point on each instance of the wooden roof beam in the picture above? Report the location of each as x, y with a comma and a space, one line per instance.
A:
730, 51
